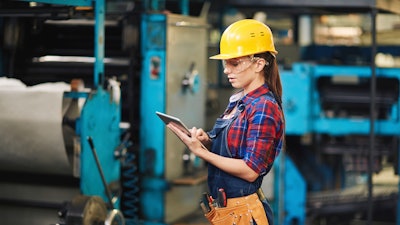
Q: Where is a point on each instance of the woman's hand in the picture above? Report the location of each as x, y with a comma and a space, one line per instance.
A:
236, 167
203, 137
192, 142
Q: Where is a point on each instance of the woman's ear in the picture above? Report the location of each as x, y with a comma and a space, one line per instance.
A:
260, 64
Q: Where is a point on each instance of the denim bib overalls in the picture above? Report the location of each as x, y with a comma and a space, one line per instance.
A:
233, 186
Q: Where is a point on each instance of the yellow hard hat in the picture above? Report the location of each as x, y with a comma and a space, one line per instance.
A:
245, 37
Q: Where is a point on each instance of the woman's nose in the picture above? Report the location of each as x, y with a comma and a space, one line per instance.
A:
227, 70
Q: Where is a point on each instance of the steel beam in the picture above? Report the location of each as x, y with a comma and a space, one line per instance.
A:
65, 2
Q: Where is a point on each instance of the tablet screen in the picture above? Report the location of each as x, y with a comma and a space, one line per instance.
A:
171, 119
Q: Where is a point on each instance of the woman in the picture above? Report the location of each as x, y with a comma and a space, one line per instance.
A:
249, 135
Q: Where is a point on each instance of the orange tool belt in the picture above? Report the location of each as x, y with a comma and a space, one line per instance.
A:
239, 211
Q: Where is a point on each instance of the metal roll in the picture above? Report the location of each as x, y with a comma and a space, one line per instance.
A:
31, 131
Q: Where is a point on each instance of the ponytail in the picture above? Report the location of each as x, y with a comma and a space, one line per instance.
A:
272, 76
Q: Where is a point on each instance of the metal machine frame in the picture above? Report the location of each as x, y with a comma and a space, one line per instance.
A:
173, 81
92, 185
98, 121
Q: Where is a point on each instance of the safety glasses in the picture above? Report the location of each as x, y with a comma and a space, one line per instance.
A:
239, 65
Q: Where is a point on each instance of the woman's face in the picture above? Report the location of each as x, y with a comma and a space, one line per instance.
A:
244, 72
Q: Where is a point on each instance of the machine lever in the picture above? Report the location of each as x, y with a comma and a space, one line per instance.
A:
108, 192
120, 151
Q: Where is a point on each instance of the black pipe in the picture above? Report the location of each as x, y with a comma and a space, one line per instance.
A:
39, 12
372, 115
30, 203
108, 192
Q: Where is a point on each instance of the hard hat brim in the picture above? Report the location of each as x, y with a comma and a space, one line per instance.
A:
230, 56
221, 56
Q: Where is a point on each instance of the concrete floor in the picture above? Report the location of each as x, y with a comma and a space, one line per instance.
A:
197, 218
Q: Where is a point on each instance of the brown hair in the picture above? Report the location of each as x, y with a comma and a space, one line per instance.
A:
272, 76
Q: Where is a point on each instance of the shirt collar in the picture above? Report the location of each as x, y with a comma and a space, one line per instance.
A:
238, 97
262, 90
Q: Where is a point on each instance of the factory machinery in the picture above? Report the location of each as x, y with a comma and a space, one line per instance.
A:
328, 139
61, 141
67, 157
173, 81
83, 152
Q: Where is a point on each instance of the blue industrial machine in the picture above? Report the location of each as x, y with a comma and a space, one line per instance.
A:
331, 115
323, 173
173, 80
286, 190
59, 146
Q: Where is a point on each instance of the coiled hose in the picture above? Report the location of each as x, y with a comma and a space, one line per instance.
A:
130, 189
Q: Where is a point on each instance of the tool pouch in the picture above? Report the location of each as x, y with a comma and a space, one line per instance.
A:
239, 211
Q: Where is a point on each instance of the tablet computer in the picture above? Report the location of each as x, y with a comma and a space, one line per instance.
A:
171, 119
